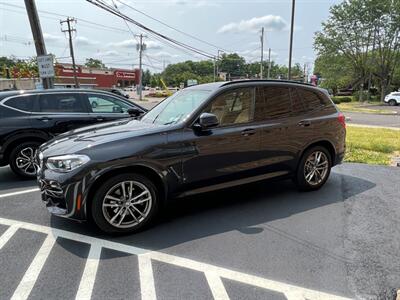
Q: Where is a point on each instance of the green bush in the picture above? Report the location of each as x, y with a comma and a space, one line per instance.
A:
336, 100
345, 99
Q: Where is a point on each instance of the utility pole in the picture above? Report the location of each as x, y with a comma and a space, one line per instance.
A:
262, 53
217, 63
304, 73
214, 69
269, 63
48, 83
71, 47
140, 47
291, 40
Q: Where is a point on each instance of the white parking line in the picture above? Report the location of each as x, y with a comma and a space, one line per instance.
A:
19, 192
213, 273
147, 288
217, 287
89, 274
8, 234
28, 281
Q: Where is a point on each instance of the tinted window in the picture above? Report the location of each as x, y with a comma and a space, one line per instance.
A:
298, 105
312, 100
24, 103
61, 103
233, 107
276, 100
107, 104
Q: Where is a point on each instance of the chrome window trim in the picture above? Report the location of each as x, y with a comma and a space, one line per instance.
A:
2, 102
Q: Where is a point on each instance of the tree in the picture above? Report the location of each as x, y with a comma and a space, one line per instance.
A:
232, 64
94, 63
336, 71
367, 34
146, 78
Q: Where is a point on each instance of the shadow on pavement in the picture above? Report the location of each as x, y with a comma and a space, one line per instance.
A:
9, 181
246, 209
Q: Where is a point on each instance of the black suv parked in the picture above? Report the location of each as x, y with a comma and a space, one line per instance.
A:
200, 139
30, 118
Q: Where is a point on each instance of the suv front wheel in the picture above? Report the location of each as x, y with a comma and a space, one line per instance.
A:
22, 159
124, 204
314, 169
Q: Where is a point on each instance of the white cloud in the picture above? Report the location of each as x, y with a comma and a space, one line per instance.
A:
195, 3
163, 54
53, 39
107, 53
84, 41
131, 44
269, 22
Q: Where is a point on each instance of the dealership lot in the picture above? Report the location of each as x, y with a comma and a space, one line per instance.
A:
265, 240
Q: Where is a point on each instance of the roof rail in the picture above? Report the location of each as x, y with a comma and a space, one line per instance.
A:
267, 80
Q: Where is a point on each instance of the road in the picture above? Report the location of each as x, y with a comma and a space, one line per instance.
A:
260, 241
373, 119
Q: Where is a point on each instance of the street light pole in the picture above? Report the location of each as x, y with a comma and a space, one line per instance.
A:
291, 40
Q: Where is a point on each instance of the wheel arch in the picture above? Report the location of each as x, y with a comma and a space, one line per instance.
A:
323, 143
40, 137
151, 173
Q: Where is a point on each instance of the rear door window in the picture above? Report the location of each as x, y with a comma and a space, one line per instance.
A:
276, 100
24, 103
61, 103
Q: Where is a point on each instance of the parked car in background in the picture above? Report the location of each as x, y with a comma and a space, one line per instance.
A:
130, 89
393, 99
120, 92
200, 139
30, 118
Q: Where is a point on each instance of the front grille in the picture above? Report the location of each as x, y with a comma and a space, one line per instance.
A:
51, 188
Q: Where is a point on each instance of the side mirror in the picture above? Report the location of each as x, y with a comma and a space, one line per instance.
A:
134, 112
207, 121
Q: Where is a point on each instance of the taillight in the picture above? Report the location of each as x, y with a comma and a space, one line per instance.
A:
342, 119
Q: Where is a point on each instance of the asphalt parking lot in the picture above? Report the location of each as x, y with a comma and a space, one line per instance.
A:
260, 241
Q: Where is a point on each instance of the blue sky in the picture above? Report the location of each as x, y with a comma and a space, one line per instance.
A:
231, 25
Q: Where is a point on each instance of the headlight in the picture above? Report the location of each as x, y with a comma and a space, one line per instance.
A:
66, 163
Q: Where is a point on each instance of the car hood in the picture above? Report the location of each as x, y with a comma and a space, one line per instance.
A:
92, 136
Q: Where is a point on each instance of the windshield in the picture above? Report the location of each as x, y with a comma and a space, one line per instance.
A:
176, 108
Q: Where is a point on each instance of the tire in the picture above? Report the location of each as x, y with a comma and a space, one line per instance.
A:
103, 216
392, 102
22, 154
306, 166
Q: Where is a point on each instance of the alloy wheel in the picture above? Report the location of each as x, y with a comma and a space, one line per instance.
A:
127, 204
316, 168
25, 161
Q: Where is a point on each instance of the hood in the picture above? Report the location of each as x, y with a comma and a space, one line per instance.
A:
91, 136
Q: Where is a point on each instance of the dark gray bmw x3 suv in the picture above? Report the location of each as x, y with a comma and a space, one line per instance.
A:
202, 138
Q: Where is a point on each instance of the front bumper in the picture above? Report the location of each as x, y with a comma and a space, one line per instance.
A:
63, 195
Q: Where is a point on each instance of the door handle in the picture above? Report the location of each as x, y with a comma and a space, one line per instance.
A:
249, 131
100, 119
43, 119
304, 123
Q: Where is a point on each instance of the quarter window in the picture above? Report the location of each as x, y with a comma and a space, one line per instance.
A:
24, 103
58, 103
106, 104
311, 99
234, 107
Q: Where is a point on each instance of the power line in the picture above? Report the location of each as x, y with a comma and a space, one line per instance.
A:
110, 9
91, 23
173, 28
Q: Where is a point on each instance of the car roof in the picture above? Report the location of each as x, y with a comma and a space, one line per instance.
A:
5, 94
216, 85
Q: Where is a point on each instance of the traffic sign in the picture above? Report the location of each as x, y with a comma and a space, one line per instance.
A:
45, 65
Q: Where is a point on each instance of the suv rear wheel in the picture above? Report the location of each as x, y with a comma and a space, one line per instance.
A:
314, 169
392, 102
124, 204
22, 159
